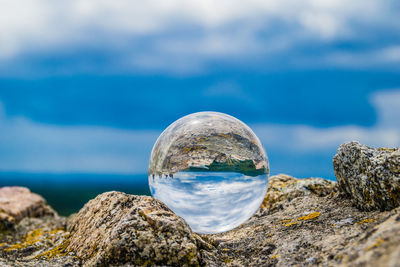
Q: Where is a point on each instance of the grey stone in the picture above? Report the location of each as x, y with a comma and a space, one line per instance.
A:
378, 246
283, 188
369, 176
116, 228
314, 226
306, 231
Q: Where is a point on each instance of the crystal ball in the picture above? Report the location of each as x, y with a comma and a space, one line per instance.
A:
210, 169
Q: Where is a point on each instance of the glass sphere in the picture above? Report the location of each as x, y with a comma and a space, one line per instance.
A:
210, 169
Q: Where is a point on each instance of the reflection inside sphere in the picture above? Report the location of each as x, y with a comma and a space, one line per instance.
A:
210, 169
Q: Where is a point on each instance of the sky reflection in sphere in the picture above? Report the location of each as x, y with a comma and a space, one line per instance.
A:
210, 169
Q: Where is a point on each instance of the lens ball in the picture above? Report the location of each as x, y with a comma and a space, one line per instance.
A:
210, 169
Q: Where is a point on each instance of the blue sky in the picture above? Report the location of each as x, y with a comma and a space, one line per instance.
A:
88, 86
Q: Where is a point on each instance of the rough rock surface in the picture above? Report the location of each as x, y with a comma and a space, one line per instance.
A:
283, 188
378, 246
36, 242
17, 203
116, 228
306, 231
369, 176
303, 223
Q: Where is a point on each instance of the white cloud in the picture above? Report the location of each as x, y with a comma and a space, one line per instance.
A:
33, 147
382, 56
214, 205
194, 30
303, 138
387, 104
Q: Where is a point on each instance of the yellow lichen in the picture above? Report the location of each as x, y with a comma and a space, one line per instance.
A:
192, 148
15, 246
227, 260
286, 221
274, 257
333, 225
224, 135
58, 251
366, 221
310, 216
190, 259
31, 238
290, 224
34, 237
376, 244
226, 249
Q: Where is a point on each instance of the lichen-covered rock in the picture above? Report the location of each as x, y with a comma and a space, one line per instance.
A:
32, 234
314, 226
36, 242
17, 203
116, 228
308, 231
371, 177
54, 262
284, 188
379, 246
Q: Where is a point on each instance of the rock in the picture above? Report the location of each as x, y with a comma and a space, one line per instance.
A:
6, 221
369, 176
32, 234
314, 225
36, 242
116, 228
379, 246
284, 188
62, 261
17, 203
308, 231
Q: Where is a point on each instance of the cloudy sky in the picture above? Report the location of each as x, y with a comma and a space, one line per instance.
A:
87, 86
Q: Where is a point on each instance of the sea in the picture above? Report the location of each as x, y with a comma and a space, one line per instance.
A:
67, 193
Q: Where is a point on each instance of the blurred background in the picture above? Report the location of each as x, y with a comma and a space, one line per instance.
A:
86, 87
